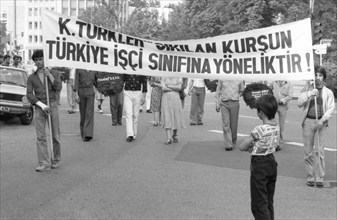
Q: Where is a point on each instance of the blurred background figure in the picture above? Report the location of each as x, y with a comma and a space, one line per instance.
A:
197, 91
182, 93
147, 103
71, 94
17, 62
156, 96
283, 92
6, 60
100, 98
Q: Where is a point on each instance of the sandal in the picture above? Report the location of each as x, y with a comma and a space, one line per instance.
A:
155, 124
175, 139
168, 141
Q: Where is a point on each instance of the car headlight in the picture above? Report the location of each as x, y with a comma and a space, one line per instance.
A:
25, 100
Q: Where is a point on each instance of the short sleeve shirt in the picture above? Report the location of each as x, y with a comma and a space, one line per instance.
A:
266, 139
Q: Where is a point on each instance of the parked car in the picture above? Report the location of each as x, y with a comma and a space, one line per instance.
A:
13, 100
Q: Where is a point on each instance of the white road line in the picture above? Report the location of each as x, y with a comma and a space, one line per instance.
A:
245, 116
291, 143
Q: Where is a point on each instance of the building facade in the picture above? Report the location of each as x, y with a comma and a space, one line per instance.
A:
24, 24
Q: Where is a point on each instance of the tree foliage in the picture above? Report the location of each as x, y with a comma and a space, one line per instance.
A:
106, 13
144, 21
3, 30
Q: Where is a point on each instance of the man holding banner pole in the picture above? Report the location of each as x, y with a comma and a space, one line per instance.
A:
42, 87
317, 103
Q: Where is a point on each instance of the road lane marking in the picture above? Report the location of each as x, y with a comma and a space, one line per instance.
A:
217, 131
288, 142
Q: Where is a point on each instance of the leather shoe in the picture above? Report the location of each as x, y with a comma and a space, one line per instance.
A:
86, 139
311, 183
228, 148
129, 139
192, 123
119, 123
114, 123
200, 123
319, 184
42, 168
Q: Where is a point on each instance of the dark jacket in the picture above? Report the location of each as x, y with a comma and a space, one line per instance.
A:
109, 83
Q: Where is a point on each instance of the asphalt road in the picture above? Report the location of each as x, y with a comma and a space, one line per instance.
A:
108, 178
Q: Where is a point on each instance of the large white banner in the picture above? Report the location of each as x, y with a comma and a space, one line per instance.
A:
282, 52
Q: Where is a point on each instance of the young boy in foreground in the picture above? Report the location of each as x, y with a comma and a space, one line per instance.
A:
262, 144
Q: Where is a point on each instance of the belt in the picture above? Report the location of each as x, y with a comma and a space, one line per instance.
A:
314, 117
268, 155
229, 100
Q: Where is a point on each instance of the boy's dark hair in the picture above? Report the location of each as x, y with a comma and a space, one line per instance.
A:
320, 69
37, 54
17, 56
268, 105
7, 56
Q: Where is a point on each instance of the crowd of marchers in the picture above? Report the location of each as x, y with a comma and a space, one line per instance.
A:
164, 97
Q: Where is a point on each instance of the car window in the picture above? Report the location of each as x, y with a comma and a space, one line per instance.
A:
12, 76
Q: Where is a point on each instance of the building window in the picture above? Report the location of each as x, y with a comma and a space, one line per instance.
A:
73, 7
35, 39
81, 4
35, 11
30, 39
30, 12
65, 7
52, 8
65, 11
36, 25
41, 39
40, 25
73, 12
30, 25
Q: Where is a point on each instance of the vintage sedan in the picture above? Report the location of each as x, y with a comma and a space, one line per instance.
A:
13, 100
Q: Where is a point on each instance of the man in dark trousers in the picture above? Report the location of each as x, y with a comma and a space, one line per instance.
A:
84, 86
36, 94
111, 84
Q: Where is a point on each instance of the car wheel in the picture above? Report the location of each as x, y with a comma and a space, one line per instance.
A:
27, 118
